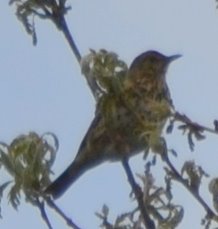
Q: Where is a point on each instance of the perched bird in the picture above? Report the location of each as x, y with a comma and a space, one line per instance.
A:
135, 123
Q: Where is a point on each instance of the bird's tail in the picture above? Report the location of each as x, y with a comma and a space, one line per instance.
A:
67, 178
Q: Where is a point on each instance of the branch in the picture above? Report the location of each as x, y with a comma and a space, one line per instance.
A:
193, 125
54, 11
192, 129
176, 175
149, 224
64, 28
89, 78
41, 207
69, 221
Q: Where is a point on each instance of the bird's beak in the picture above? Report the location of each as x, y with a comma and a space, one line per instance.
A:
174, 57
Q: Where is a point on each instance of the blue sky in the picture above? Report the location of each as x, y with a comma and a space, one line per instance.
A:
43, 90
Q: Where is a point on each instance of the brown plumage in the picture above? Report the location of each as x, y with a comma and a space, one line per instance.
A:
135, 125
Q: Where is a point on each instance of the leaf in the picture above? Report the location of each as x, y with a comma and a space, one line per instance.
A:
190, 141
28, 159
105, 210
14, 196
174, 153
213, 188
170, 127
104, 69
195, 174
215, 122
2, 188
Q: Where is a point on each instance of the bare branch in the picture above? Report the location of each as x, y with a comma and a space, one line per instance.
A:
149, 224
69, 221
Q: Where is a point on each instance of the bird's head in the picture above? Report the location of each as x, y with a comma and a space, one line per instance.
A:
151, 63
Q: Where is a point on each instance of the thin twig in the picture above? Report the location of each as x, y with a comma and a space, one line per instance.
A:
183, 118
176, 175
56, 13
69, 221
91, 82
149, 224
60, 22
43, 213
70, 40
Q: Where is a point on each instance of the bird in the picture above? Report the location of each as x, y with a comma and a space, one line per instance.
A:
134, 123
